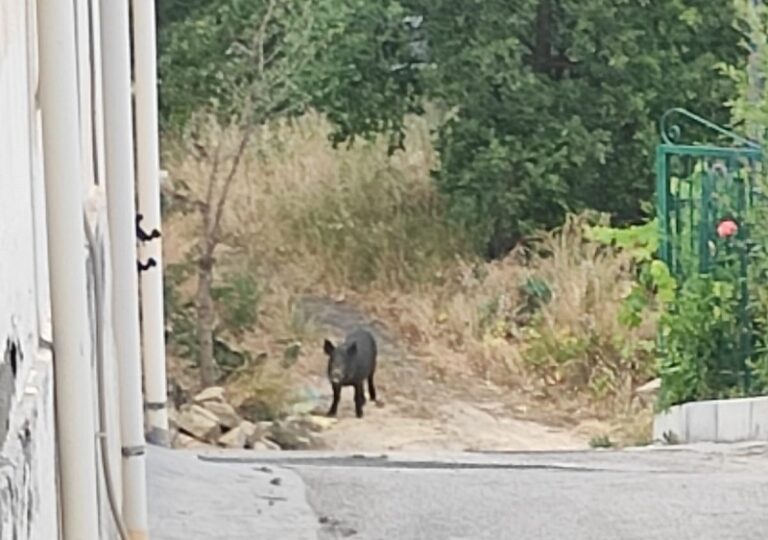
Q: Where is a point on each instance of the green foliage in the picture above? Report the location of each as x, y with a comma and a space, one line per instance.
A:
719, 318
180, 315
240, 59
655, 284
237, 301
641, 242
552, 105
703, 321
369, 76
601, 441
749, 108
534, 293
700, 332
261, 59
549, 106
589, 359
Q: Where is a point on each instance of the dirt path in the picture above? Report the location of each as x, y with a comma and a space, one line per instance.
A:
419, 413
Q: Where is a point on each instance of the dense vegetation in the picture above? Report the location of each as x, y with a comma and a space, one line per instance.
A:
406, 145
550, 106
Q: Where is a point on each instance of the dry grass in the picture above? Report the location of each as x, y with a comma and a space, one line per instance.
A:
305, 217
331, 218
570, 355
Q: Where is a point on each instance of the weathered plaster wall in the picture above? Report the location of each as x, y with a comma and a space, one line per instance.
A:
27, 448
28, 491
27, 472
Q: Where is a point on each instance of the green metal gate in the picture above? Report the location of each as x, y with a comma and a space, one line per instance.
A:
704, 189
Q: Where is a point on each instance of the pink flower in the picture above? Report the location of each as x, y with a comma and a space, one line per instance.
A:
727, 228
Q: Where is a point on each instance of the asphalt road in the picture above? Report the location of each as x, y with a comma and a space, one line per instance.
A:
709, 492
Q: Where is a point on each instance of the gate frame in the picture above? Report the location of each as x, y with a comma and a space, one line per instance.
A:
742, 148
672, 132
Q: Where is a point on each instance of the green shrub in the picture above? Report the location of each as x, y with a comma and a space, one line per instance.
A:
698, 331
237, 301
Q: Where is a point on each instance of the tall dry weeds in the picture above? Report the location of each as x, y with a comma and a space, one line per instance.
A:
569, 353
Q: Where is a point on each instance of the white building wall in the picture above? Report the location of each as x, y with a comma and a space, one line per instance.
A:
28, 493
27, 449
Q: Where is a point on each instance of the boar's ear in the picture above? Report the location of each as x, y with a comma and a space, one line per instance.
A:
328, 347
352, 349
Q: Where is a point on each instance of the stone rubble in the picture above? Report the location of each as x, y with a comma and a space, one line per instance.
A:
211, 421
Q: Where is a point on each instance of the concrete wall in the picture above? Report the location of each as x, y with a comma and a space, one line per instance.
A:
28, 492
723, 420
27, 449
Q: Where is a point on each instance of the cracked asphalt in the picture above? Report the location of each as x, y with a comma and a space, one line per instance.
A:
701, 492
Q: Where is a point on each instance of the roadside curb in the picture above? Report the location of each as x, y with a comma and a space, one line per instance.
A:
722, 421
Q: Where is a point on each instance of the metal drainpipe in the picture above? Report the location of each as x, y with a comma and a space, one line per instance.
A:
74, 395
148, 172
121, 207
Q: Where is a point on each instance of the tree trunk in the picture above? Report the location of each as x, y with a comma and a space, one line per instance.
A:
205, 318
543, 42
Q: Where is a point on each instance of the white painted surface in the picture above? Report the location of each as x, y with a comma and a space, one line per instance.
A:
18, 292
734, 420
148, 178
721, 421
121, 205
28, 496
701, 421
759, 421
73, 344
28, 507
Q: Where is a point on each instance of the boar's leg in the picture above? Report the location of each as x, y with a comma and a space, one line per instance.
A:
336, 397
359, 399
371, 388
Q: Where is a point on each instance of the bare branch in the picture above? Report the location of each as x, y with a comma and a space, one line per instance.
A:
261, 35
267, 95
214, 171
216, 225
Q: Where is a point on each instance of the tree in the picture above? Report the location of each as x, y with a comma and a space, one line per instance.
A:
242, 60
231, 66
554, 103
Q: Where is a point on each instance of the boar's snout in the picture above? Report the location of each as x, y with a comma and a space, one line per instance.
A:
337, 374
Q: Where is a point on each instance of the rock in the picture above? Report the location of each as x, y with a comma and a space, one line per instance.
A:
183, 440
173, 417
250, 431
313, 423
292, 435
254, 432
199, 423
213, 393
303, 407
202, 411
264, 424
265, 446
224, 412
649, 388
234, 438
311, 401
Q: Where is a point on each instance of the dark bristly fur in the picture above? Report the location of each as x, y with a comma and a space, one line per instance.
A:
351, 364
